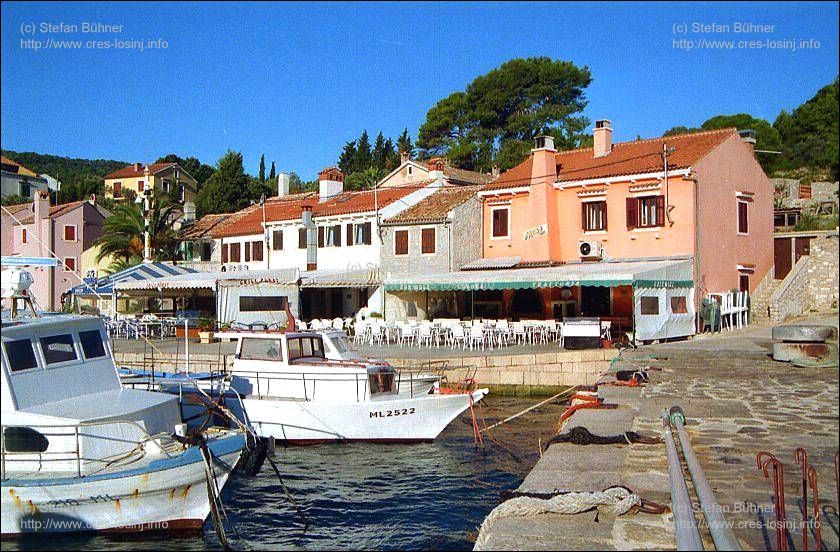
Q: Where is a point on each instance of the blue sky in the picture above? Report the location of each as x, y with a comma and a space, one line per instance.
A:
296, 81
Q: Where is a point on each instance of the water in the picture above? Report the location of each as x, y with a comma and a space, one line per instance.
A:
365, 496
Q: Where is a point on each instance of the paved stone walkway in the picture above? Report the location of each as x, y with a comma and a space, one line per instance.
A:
738, 401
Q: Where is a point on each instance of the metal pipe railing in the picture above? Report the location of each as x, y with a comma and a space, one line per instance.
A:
722, 535
685, 524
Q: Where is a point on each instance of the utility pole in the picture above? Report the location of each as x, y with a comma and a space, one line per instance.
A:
144, 200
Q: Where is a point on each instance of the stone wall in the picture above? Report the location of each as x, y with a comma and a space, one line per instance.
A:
812, 283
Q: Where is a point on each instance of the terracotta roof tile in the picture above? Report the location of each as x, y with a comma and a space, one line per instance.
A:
55, 211
14, 164
131, 171
249, 220
436, 207
626, 158
202, 228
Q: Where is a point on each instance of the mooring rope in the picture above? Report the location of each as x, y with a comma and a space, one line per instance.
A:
616, 500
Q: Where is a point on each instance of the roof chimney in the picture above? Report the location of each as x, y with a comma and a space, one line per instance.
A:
544, 142
748, 137
137, 167
42, 205
602, 137
311, 237
405, 157
283, 183
495, 171
330, 183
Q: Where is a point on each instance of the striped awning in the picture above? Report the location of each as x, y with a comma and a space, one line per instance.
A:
340, 278
648, 274
137, 273
211, 280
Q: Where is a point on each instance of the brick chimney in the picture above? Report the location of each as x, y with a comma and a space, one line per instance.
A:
602, 137
405, 157
137, 167
330, 183
748, 137
41, 206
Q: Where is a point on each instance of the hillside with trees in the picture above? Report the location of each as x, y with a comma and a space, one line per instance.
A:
364, 164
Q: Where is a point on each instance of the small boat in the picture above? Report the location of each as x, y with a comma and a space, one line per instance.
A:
82, 453
284, 385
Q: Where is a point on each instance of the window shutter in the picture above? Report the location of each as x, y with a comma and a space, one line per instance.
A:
428, 240
367, 233
632, 213
337, 234
583, 217
401, 242
224, 253
660, 210
604, 215
349, 234
320, 236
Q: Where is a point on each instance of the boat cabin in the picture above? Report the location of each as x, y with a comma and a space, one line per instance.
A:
296, 366
63, 407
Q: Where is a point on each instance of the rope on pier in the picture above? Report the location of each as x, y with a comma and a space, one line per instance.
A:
616, 500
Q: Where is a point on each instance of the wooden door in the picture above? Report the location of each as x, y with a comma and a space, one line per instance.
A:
782, 257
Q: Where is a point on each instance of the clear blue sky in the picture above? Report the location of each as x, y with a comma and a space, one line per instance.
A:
295, 81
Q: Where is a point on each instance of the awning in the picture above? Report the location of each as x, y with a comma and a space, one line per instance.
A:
491, 263
211, 280
649, 274
340, 278
137, 273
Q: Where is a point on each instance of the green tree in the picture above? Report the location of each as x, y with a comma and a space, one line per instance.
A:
15, 199
262, 168
81, 189
123, 231
227, 190
363, 153
404, 144
504, 110
347, 159
192, 165
273, 173
677, 130
766, 137
810, 133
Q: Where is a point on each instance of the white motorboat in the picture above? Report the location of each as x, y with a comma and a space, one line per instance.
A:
286, 388
82, 453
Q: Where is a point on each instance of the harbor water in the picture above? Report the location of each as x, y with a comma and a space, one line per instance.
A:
365, 496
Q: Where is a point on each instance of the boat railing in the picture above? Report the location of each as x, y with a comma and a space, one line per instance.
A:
73, 454
265, 382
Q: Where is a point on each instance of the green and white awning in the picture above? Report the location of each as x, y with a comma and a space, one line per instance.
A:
643, 274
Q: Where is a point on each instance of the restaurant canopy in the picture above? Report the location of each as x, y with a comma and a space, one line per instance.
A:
212, 280
641, 274
340, 278
137, 273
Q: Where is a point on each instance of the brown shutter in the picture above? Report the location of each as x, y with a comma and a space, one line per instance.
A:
337, 233
367, 233
301, 238
428, 240
743, 222
247, 252
257, 251
401, 242
320, 236
604, 216
349, 234
632, 213
660, 210
583, 224
224, 253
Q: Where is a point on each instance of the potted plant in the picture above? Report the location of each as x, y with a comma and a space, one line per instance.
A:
205, 329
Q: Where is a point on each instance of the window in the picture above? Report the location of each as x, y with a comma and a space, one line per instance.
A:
594, 216
679, 305
427, 246
302, 238
247, 252
320, 236
182, 193
401, 242
254, 303
349, 238
805, 191
743, 217
300, 347
23, 235
645, 212
58, 348
744, 282
257, 251
501, 222
225, 251
234, 252
20, 354
332, 238
140, 186
165, 185
70, 232
69, 264
363, 233
24, 439
92, 344
117, 189
336, 235
650, 305
277, 240
261, 349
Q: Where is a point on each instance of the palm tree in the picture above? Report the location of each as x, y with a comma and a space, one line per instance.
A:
123, 232
371, 177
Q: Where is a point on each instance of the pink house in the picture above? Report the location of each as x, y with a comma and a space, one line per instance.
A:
64, 231
701, 197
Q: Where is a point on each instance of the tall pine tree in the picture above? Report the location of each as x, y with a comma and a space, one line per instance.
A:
273, 173
262, 168
404, 144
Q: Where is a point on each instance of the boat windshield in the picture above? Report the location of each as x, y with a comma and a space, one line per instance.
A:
305, 346
342, 344
261, 349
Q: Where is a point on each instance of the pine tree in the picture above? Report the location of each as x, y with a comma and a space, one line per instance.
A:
380, 153
262, 168
363, 153
404, 143
347, 159
273, 173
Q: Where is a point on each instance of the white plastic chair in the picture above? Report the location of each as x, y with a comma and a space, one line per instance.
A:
458, 336
520, 333
425, 335
406, 335
477, 335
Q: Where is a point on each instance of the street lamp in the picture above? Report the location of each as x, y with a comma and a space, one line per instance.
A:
143, 201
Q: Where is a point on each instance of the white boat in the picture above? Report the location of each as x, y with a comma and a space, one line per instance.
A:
286, 388
82, 453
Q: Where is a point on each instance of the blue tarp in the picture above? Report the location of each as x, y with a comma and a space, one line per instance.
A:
143, 271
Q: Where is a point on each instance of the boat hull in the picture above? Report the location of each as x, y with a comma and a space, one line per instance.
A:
398, 420
164, 495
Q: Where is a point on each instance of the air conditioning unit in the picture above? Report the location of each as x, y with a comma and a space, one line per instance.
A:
589, 249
